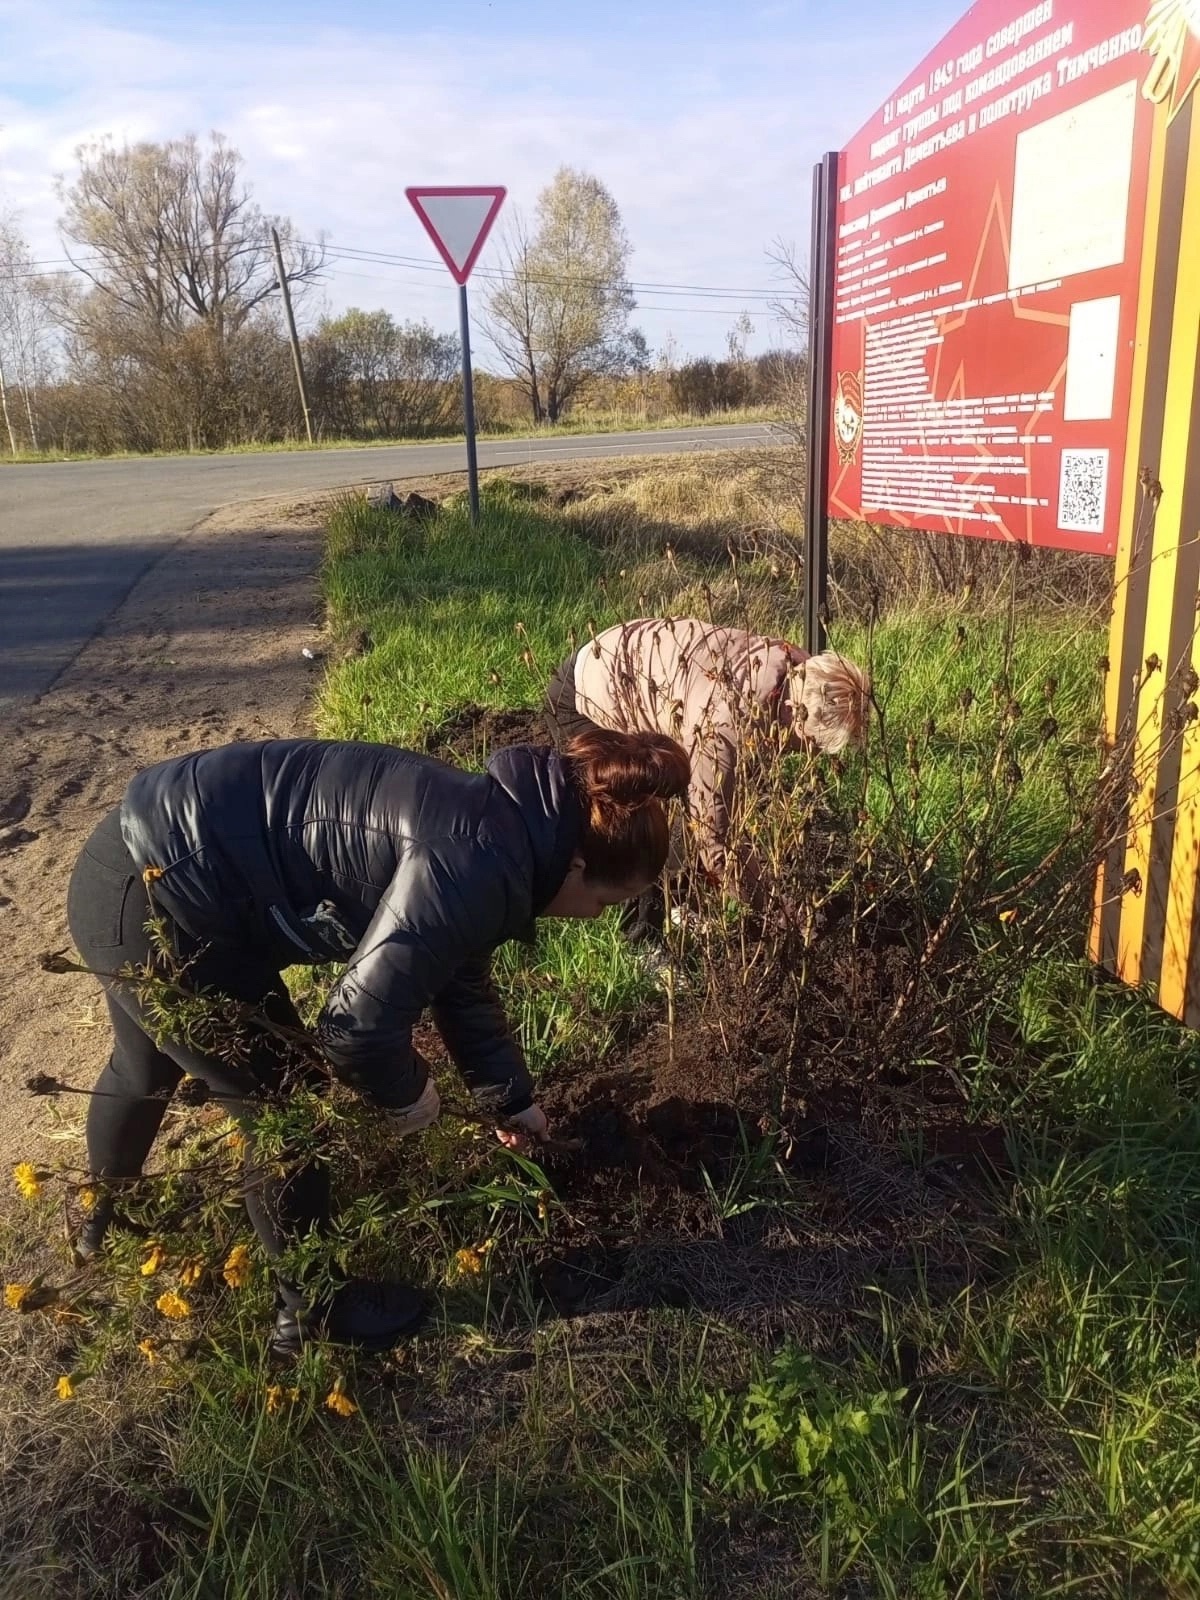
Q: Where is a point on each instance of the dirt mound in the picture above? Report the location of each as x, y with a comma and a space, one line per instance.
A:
771, 1154
677, 1108
672, 1143
475, 732
731, 1163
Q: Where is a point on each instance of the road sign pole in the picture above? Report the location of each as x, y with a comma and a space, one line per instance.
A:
820, 393
458, 220
464, 326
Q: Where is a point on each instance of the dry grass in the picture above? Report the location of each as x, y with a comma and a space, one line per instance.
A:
753, 502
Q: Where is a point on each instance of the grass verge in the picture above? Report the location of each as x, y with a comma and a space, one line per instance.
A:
774, 1395
574, 426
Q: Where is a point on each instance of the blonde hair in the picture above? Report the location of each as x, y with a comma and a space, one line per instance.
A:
830, 698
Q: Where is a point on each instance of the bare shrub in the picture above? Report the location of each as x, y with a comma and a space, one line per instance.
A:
371, 377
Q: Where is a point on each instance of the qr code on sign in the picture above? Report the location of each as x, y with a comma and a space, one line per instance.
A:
1082, 489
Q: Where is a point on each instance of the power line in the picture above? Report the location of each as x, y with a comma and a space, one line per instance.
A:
46, 270
642, 305
732, 299
428, 264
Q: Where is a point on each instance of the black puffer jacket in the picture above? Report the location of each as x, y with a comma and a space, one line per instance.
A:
410, 870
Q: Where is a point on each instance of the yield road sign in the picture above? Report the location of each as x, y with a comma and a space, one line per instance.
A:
458, 220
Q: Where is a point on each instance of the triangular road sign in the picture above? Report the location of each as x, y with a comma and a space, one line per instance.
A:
458, 221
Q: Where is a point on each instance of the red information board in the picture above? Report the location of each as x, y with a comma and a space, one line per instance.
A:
988, 234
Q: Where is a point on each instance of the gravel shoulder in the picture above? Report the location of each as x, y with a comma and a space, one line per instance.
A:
206, 648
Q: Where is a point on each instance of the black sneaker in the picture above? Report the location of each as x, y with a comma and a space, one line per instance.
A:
369, 1315
90, 1240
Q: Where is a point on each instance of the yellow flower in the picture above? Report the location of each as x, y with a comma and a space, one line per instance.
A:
468, 1262
26, 1179
87, 1199
1010, 915
14, 1295
149, 1349
190, 1272
64, 1388
238, 1267
338, 1400
173, 1305
278, 1397
153, 1261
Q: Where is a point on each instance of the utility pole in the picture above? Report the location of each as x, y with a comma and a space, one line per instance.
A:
297, 361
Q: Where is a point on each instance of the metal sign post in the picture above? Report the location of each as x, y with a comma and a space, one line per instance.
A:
820, 391
464, 330
458, 221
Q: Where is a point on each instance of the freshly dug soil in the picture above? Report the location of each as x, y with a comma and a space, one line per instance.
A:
476, 732
761, 1158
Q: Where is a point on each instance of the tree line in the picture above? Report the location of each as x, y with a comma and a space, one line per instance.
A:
165, 332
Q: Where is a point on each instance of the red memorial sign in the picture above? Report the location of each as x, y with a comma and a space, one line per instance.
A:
988, 235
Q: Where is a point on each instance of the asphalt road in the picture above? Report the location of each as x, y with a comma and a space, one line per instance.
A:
76, 536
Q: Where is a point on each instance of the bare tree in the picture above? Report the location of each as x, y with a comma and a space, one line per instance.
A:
168, 235
791, 309
372, 377
559, 316
791, 306
24, 330
737, 339
175, 340
5, 412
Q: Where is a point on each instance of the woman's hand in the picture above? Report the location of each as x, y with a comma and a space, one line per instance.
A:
525, 1129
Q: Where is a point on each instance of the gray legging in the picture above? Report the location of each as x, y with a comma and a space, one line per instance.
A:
107, 908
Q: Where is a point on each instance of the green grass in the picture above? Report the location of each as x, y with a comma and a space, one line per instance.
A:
455, 616
411, 1519
1080, 1403
1033, 1433
937, 679
578, 996
586, 423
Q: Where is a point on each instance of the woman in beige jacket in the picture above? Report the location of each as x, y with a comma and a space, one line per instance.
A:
712, 689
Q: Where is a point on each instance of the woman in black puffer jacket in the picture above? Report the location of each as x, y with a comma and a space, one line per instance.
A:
264, 856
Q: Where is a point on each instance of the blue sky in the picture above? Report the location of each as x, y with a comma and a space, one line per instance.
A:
703, 119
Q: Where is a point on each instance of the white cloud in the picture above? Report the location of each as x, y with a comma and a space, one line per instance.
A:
707, 144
